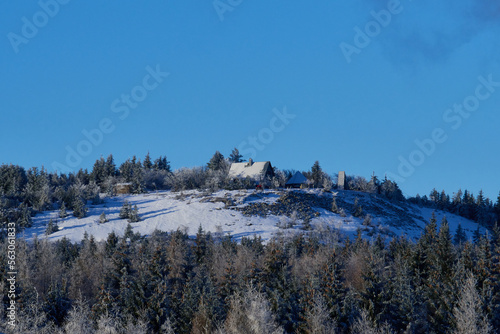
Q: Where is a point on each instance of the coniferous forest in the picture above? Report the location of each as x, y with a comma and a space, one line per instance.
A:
317, 281
314, 283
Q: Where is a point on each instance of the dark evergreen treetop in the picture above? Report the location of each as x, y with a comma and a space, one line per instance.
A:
316, 173
217, 162
235, 156
147, 164
460, 236
162, 164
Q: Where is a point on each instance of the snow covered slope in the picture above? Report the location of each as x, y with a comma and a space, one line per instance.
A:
246, 213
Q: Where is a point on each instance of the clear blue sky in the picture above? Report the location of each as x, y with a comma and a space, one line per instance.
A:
356, 101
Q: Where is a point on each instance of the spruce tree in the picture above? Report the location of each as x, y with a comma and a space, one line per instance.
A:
92, 193
99, 172
102, 218
57, 303
374, 297
316, 174
497, 209
200, 248
162, 164
476, 236
456, 201
111, 243
443, 201
358, 210
481, 212
62, 211
24, 220
129, 233
110, 166
147, 164
430, 231
445, 251
335, 209
374, 185
235, 156
460, 236
331, 285
79, 208
134, 215
438, 286
125, 210
424, 255
402, 294
51, 227
157, 289
391, 190
434, 197
493, 302
216, 162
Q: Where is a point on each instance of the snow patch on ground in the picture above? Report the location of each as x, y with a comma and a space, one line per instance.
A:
169, 211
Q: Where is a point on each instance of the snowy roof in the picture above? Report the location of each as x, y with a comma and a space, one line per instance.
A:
297, 178
253, 170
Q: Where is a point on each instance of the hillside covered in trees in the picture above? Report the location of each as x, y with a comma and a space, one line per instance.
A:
312, 281
23, 192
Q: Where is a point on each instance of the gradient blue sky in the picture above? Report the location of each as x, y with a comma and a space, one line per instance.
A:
230, 70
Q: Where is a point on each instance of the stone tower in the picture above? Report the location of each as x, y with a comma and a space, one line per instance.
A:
341, 181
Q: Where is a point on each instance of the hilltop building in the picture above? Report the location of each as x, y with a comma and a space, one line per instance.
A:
298, 180
257, 171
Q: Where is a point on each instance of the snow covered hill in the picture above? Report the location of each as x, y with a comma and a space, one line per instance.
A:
247, 212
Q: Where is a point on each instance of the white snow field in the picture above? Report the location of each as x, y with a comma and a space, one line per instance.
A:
187, 210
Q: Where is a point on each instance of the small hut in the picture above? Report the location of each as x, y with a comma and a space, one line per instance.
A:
298, 180
123, 188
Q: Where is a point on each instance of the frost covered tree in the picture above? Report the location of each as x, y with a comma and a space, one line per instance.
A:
92, 193
358, 209
318, 319
110, 166
468, 313
132, 171
335, 208
134, 215
79, 319
13, 179
51, 227
79, 208
364, 325
217, 162
374, 185
99, 171
147, 164
391, 190
125, 210
102, 218
250, 313
62, 211
37, 191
